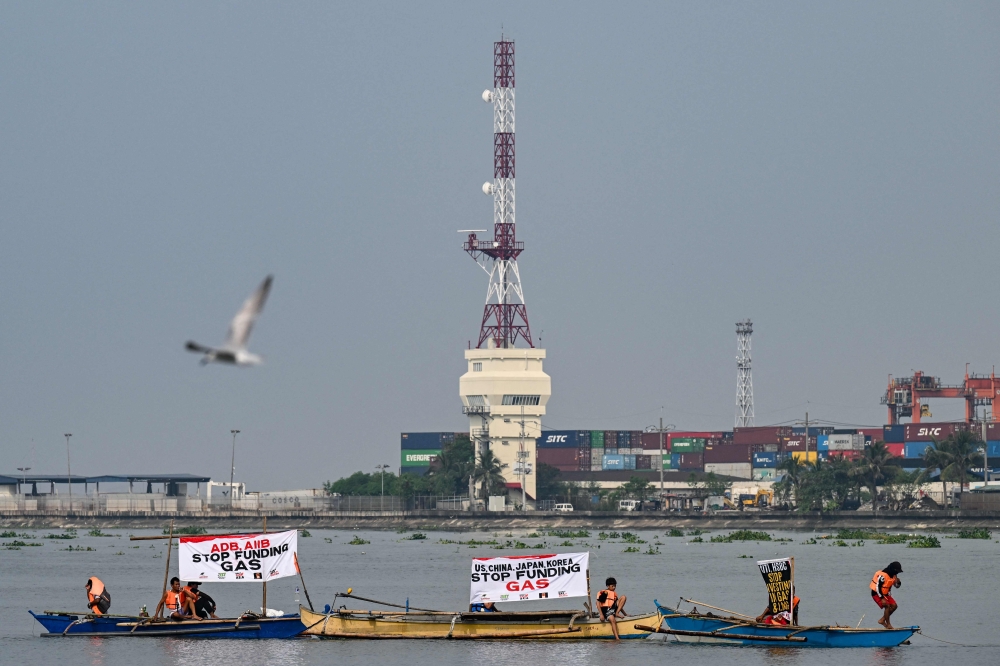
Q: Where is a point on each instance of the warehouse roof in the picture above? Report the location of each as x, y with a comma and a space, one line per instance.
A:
106, 478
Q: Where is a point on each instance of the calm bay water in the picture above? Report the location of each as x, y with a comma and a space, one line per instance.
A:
952, 592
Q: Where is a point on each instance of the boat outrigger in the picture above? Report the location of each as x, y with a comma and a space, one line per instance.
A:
501, 579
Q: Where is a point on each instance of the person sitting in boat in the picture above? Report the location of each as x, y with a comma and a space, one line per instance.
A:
175, 604
611, 605
98, 597
784, 618
484, 607
204, 605
881, 586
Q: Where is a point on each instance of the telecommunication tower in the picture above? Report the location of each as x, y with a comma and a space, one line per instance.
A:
744, 378
505, 389
505, 317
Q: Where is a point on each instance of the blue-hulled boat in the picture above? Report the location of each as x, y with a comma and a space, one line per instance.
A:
248, 626
707, 628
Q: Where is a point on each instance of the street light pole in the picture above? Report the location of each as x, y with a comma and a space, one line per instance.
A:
381, 497
661, 430
24, 476
69, 475
232, 469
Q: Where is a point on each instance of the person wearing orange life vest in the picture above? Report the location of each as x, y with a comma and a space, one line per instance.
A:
611, 605
881, 586
98, 597
780, 618
176, 604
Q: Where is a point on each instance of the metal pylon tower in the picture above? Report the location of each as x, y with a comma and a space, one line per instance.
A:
505, 317
744, 378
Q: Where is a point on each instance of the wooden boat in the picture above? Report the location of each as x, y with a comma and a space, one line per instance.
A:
548, 625
708, 628
61, 623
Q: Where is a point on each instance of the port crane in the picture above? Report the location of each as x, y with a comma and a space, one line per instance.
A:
903, 396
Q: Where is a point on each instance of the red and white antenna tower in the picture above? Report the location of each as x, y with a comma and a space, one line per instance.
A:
505, 317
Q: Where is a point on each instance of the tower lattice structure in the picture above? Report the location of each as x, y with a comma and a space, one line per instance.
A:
505, 316
744, 378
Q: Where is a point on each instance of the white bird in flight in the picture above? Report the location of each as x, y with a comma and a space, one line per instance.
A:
234, 351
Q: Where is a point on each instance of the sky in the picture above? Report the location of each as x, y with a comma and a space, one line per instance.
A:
829, 170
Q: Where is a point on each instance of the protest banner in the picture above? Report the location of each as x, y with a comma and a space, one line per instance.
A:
529, 577
242, 558
779, 577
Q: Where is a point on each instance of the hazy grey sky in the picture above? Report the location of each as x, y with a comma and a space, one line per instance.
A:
828, 169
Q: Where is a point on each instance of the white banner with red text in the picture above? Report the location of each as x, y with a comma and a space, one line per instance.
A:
529, 577
240, 558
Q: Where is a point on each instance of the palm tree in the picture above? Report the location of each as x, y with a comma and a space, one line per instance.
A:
964, 451
795, 471
874, 467
938, 457
489, 472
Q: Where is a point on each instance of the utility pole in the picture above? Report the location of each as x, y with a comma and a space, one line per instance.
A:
232, 469
986, 453
661, 430
381, 498
522, 460
807, 441
69, 475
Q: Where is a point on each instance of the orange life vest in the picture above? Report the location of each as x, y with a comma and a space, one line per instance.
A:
882, 583
173, 602
94, 594
609, 600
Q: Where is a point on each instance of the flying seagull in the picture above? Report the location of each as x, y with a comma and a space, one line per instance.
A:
234, 350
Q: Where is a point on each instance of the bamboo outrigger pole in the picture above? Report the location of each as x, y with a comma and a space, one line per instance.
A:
166, 573
302, 578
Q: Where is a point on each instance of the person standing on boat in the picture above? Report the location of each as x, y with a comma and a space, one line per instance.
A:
611, 605
175, 603
881, 586
98, 597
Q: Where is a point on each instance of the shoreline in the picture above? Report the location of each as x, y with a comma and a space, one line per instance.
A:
484, 521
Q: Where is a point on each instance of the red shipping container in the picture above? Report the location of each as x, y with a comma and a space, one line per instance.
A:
732, 453
874, 434
559, 457
925, 432
797, 443
644, 462
896, 450
651, 442
766, 435
847, 455
690, 461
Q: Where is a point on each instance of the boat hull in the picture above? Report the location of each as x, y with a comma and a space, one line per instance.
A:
70, 624
705, 629
459, 625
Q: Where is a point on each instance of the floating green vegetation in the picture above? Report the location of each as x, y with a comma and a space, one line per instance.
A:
674, 532
190, 530
628, 537
357, 541
416, 536
569, 534
305, 533
79, 549
630, 549
533, 535
652, 551
96, 532
924, 542
895, 538
810, 542
328, 539
744, 557
60, 536
742, 535
978, 533
695, 532
120, 552
567, 542
472, 542
13, 535
697, 540
841, 543
857, 534
10, 545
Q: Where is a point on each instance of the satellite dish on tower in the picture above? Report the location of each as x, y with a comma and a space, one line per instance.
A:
487, 96
487, 188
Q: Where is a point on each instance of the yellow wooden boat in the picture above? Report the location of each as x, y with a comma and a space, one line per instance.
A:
548, 625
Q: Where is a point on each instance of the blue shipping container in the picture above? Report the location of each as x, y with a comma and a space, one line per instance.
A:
993, 449
613, 462
893, 434
629, 461
823, 443
562, 439
424, 440
916, 449
675, 460
765, 459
